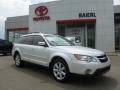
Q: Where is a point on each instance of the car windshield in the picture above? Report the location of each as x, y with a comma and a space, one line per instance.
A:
55, 40
72, 39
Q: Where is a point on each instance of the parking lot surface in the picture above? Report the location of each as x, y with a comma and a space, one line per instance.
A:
32, 77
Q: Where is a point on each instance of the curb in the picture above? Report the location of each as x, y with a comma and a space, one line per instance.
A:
113, 54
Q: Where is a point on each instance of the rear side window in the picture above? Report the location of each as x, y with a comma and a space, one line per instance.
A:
37, 38
20, 40
26, 40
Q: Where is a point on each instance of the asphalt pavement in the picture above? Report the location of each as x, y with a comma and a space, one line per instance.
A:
34, 77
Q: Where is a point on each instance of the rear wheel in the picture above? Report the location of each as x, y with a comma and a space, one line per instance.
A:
60, 70
18, 61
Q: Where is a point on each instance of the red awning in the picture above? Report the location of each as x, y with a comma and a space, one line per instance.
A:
17, 29
76, 21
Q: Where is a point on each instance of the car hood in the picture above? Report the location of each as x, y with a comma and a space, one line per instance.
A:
80, 50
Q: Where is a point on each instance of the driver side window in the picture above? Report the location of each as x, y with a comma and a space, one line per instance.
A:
37, 38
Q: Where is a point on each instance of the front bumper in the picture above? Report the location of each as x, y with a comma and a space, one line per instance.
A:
93, 68
102, 70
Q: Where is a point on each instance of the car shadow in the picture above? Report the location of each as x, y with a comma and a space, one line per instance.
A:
75, 82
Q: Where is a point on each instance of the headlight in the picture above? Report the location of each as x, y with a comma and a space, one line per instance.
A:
85, 58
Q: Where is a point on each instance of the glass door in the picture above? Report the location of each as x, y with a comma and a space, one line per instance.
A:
78, 33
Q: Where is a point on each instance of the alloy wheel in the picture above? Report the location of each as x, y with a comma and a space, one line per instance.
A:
17, 60
59, 71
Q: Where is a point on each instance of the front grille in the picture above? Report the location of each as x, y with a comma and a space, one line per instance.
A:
102, 58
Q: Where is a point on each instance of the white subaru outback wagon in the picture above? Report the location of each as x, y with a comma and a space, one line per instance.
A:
60, 55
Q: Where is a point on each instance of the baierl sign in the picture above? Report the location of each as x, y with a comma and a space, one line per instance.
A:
87, 15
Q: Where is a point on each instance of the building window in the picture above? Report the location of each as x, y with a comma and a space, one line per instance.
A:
85, 32
91, 35
117, 38
117, 31
14, 35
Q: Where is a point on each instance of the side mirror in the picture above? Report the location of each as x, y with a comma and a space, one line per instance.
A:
41, 43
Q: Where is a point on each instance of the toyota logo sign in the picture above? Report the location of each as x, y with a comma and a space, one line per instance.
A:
41, 14
41, 11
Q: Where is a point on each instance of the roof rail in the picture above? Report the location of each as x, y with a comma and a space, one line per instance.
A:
33, 32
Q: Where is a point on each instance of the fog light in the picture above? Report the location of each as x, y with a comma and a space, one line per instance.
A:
88, 71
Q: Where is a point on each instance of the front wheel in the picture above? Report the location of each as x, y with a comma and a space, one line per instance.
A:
60, 70
18, 61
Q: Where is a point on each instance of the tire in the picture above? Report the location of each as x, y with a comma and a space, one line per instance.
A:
18, 61
60, 70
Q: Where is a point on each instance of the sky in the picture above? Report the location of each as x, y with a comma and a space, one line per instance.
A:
11, 8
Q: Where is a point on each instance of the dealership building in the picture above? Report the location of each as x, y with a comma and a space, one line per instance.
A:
90, 20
